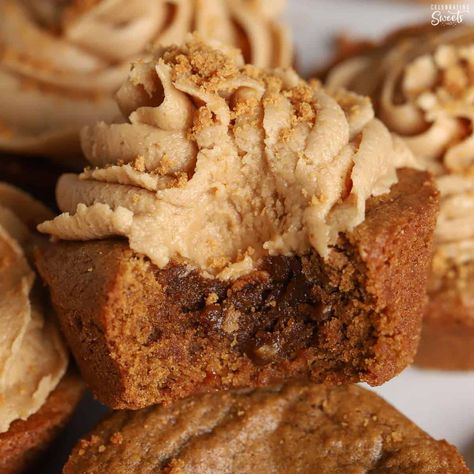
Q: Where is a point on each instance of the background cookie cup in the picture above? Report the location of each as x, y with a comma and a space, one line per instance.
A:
62, 72
26, 440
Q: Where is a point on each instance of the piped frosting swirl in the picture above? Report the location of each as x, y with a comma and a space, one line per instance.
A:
62, 61
423, 87
222, 163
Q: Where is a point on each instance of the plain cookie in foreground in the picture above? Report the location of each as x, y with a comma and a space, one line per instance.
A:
291, 429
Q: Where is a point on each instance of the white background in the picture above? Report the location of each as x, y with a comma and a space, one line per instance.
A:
442, 403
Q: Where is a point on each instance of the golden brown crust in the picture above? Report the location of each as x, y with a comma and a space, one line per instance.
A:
447, 340
142, 335
21, 445
297, 428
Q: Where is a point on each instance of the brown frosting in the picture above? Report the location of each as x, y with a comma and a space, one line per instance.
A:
221, 164
33, 358
62, 61
423, 85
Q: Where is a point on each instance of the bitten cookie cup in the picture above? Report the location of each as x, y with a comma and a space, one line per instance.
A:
142, 335
296, 428
421, 82
271, 231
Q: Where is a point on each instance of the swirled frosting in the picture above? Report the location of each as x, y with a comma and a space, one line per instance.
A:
61, 61
222, 163
423, 86
32, 356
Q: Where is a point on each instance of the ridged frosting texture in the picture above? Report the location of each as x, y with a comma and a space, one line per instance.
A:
62, 61
423, 85
33, 358
220, 164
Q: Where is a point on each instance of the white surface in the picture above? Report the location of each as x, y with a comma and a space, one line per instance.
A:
442, 403
316, 22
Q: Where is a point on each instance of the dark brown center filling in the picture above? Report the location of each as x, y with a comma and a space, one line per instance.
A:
269, 315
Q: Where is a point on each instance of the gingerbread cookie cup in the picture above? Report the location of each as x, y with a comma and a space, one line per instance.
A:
421, 82
27, 440
296, 428
448, 330
37, 396
270, 236
142, 335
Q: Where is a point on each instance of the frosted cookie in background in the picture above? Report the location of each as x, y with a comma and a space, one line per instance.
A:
62, 61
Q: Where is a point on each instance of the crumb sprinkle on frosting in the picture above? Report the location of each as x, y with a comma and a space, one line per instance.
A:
220, 164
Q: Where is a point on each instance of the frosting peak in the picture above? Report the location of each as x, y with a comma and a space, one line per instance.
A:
32, 356
62, 61
221, 163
